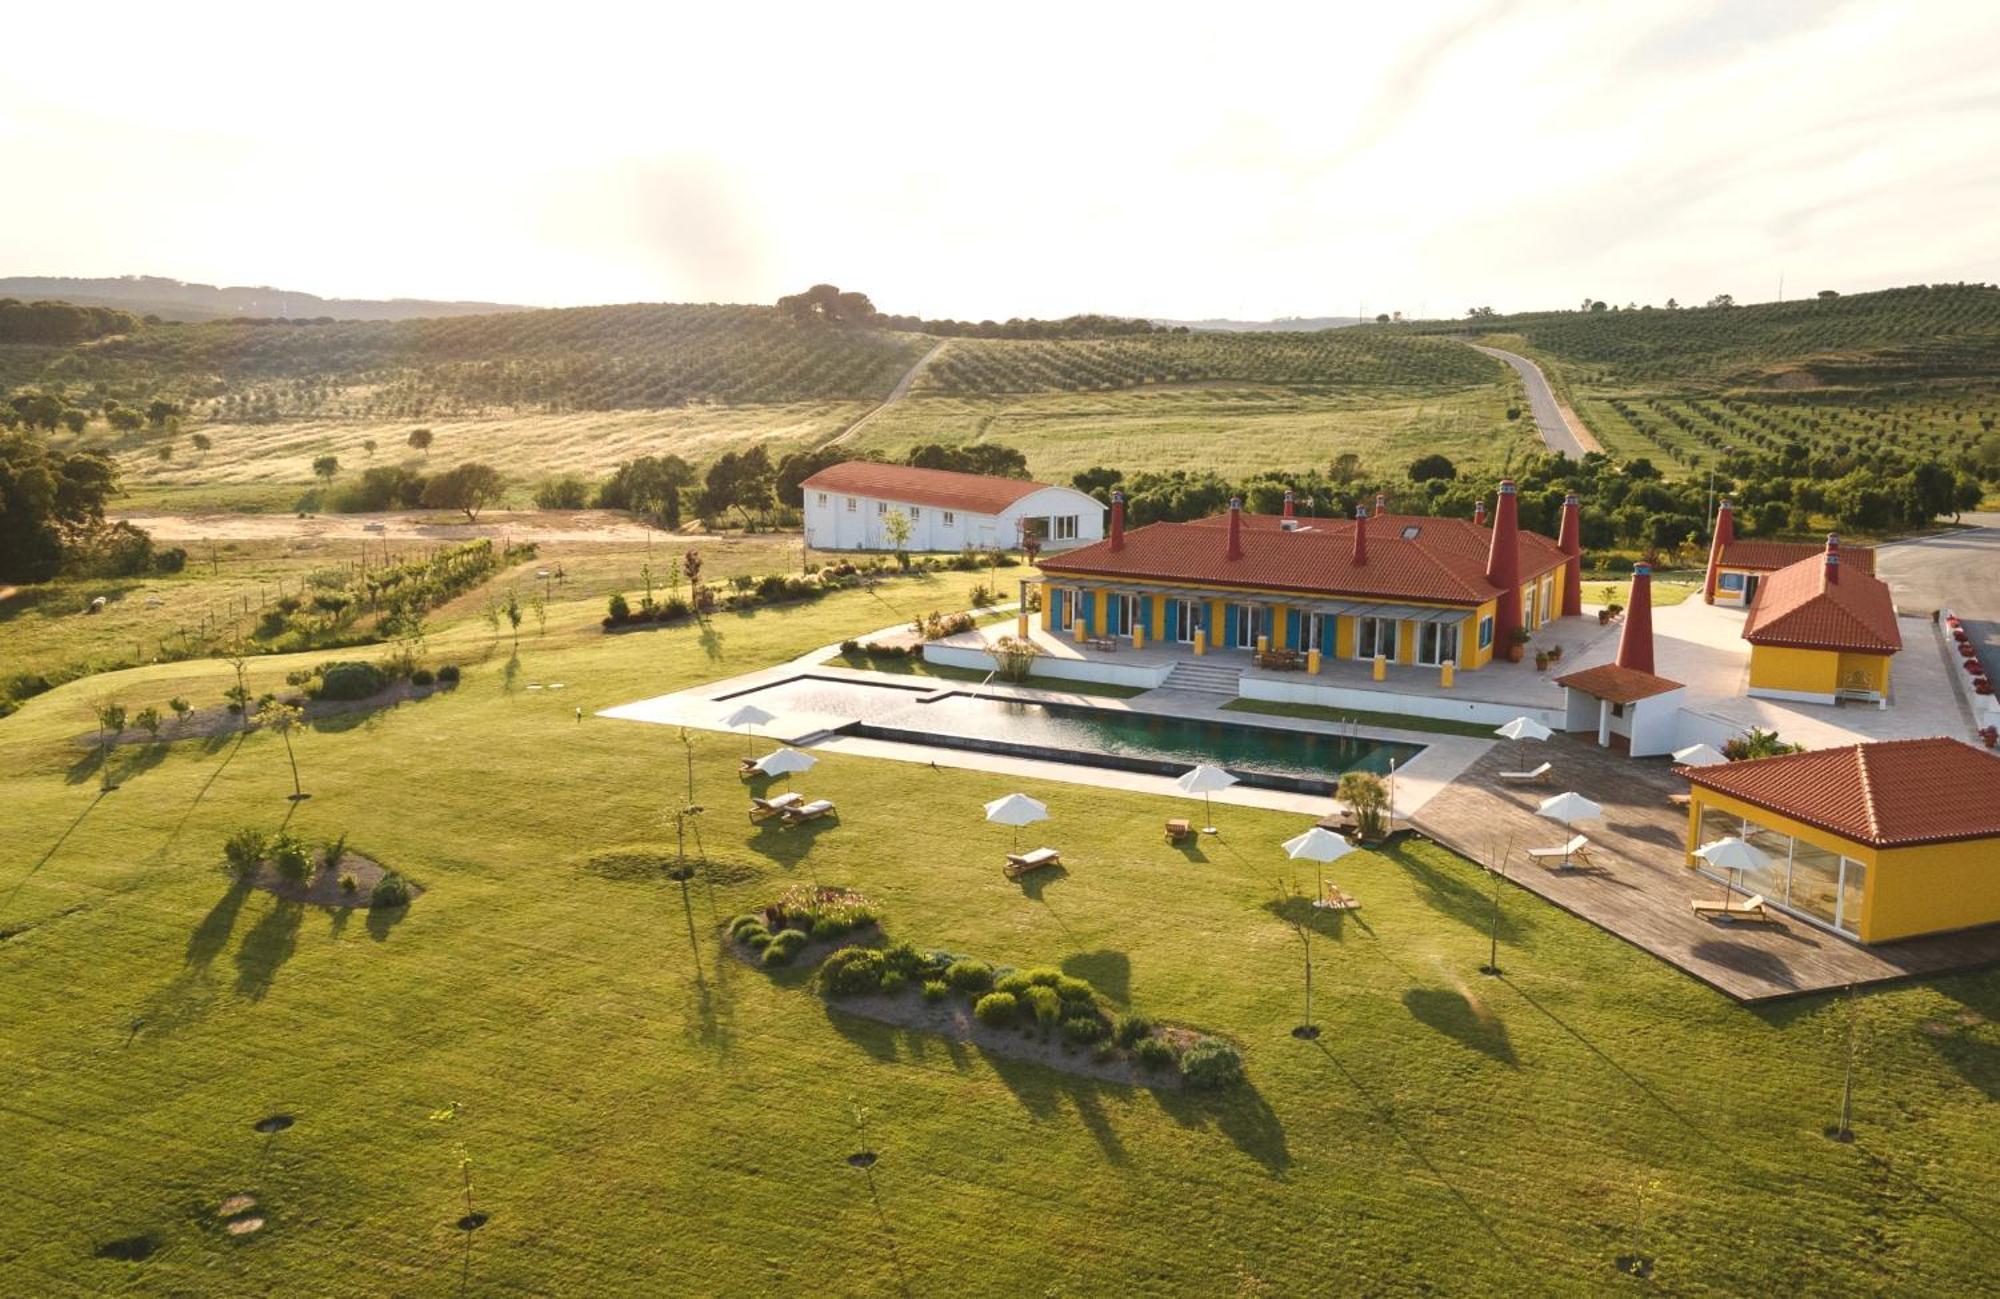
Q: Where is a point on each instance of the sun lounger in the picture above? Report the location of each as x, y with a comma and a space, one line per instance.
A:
1679, 800
1178, 829
1337, 899
762, 809
812, 811
1021, 863
1576, 851
1539, 776
747, 769
1751, 909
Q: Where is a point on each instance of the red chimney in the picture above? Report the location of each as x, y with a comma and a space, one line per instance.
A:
1503, 562
1381, 503
1571, 543
1635, 642
1360, 535
1117, 520
1479, 513
1725, 532
1291, 511
1235, 550
1832, 558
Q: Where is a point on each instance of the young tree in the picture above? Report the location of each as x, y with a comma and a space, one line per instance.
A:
202, 441
420, 440
514, 614
124, 418
159, 411
110, 724
368, 445
238, 695
469, 488
74, 420
325, 467
539, 603
148, 719
282, 717
896, 525
1367, 796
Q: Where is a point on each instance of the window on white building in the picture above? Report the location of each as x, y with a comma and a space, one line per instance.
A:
913, 514
1065, 525
881, 507
950, 519
850, 505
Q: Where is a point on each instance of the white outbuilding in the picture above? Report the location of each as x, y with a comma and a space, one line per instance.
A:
848, 507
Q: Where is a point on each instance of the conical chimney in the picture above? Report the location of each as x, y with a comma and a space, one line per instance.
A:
1360, 536
1235, 550
1117, 519
1571, 544
1503, 562
1725, 532
1635, 642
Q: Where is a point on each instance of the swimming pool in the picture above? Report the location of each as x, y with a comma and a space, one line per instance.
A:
1303, 761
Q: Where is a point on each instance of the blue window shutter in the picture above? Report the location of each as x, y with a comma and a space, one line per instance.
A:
1061, 598
1229, 625
1291, 627
1088, 602
1145, 618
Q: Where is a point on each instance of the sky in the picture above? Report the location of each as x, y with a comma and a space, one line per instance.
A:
1242, 160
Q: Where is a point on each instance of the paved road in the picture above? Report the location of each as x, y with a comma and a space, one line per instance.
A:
1564, 433
1955, 570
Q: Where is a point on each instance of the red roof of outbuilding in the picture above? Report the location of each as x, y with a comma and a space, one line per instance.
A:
944, 488
1799, 608
1410, 557
1765, 556
1621, 685
1891, 793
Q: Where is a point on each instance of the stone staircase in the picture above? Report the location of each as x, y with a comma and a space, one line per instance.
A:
1203, 678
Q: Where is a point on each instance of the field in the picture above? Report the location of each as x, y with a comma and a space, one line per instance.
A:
623, 1083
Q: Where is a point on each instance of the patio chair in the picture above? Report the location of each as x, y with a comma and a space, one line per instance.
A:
763, 809
1179, 829
804, 812
1539, 776
1019, 864
1751, 909
1576, 851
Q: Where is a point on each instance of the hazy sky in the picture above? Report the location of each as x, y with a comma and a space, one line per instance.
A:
988, 161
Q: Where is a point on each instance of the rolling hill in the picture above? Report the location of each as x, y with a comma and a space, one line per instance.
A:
153, 295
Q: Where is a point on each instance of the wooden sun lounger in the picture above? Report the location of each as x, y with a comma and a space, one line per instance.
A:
1679, 800
747, 769
1539, 776
1019, 864
1337, 899
1750, 908
763, 809
1576, 851
1179, 828
812, 811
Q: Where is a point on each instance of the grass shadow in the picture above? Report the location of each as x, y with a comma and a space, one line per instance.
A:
1036, 882
54, 848
1240, 1113
1453, 1014
266, 948
1108, 972
382, 919
212, 934
1042, 1090
1325, 922
1468, 901
711, 641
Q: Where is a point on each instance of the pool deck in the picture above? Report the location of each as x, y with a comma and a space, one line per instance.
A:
704, 707
1640, 889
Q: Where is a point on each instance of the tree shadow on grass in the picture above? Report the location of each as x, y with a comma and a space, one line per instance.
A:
382, 919
212, 934
1468, 901
1240, 1113
1451, 1013
1325, 922
711, 641
268, 945
1108, 972
1742, 958
1043, 1090
783, 844
54, 848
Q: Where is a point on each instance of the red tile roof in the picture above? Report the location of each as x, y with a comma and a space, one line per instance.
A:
1798, 608
1621, 685
1766, 556
1891, 793
1444, 561
944, 488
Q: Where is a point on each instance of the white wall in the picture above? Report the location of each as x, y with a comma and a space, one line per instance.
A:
1655, 724
833, 526
1053, 669
1051, 503
1388, 701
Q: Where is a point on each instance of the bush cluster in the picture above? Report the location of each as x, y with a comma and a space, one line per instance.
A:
392, 890
1211, 1064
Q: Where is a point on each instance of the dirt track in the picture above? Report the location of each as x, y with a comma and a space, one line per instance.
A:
407, 525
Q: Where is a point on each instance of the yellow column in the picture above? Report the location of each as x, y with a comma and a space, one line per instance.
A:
1103, 613
1160, 629
1138, 636
1312, 662
1048, 607
1280, 634
1216, 623
1446, 672
1076, 629
1381, 668
1406, 642
1021, 625
1200, 642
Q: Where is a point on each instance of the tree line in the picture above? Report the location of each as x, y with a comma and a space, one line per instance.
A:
59, 324
829, 304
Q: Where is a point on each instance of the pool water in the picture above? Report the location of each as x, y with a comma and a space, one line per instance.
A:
1308, 761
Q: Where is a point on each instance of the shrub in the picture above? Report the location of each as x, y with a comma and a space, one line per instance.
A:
291, 856
618, 611
1076, 990
781, 947
995, 1009
827, 927
335, 850
349, 885
448, 674
757, 939
852, 971
904, 959
1132, 1029
850, 648
422, 677
936, 989
1047, 1007
1152, 1053
392, 890
970, 976
740, 927
350, 680
1082, 1029
1210, 1064
894, 981
1014, 985
181, 708
245, 851
1044, 976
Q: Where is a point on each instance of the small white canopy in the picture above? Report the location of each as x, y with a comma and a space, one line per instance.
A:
749, 716
785, 761
1017, 810
1317, 844
1569, 806
1698, 755
1524, 728
1205, 780
1732, 854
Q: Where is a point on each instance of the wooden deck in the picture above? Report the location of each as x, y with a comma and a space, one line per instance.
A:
1640, 890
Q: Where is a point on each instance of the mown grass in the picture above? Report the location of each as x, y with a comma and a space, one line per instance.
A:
627, 1090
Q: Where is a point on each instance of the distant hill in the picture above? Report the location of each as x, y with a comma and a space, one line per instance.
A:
1282, 325
152, 295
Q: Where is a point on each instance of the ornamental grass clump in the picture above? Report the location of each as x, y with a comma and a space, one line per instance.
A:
1211, 1064
996, 1009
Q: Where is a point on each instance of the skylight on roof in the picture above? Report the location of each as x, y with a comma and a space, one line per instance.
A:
1410, 532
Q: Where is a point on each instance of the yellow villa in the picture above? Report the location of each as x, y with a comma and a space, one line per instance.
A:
1391, 588
1820, 632
1877, 841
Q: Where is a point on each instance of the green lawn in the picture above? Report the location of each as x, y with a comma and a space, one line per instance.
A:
643, 1115
1402, 721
